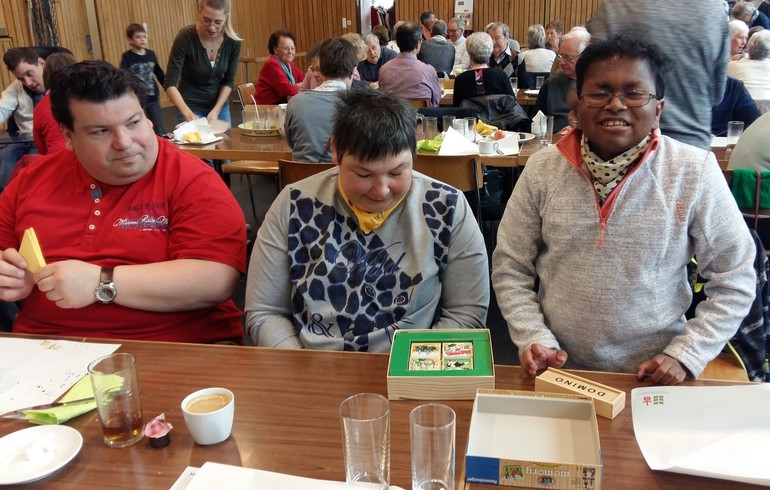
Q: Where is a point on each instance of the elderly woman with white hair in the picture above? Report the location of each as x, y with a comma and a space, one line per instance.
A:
480, 79
754, 71
739, 35
537, 58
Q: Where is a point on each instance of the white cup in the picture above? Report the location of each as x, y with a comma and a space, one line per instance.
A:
487, 147
209, 420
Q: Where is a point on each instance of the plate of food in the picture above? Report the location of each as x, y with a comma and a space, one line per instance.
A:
197, 138
34, 453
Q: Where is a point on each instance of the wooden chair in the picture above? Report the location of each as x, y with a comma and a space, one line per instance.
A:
462, 172
249, 168
419, 103
245, 93
290, 171
725, 367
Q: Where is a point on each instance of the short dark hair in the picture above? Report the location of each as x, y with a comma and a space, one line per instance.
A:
371, 125
623, 46
276, 36
425, 16
338, 58
382, 33
54, 64
14, 56
46, 51
92, 81
556, 25
408, 35
133, 29
313, 51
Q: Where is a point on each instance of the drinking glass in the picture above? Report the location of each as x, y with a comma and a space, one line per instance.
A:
539, 81
430, 126
366, 439
734, 131
116, 390
460, 125
515, 85
446, 123
432, 429
546, 132
470, 130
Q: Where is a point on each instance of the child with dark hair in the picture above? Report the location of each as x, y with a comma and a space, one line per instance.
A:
143, 63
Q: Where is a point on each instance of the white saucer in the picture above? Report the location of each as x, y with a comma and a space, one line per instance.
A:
30, 454
531, 92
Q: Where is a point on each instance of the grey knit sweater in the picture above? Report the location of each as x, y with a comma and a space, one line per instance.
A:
613, 287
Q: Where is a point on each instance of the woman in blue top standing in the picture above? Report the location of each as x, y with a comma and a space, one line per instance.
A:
202, 64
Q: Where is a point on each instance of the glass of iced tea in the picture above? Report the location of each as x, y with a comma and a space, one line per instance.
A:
116, 389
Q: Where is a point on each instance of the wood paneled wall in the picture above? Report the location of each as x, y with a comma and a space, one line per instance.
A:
310, 20
518, 14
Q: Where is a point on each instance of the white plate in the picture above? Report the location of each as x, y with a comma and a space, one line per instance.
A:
219, 126
212, 138
34, 453
525, 137
531, 92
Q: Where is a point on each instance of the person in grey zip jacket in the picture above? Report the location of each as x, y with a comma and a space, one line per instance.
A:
608, 220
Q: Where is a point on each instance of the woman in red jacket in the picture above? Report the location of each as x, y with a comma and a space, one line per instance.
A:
280, 77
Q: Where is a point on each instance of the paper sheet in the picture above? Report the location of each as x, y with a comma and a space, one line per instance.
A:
712, 431
216, 475
34, 371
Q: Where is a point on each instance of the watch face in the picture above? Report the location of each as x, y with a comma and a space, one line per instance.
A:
106, 293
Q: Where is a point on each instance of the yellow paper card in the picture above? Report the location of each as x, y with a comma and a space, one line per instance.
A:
30, 250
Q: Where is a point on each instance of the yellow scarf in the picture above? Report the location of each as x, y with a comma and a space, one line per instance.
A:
366, 220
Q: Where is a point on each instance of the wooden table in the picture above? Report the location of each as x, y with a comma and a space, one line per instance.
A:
287, 420
236, 146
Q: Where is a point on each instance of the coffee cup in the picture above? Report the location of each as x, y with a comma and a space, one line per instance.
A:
208, 414
487, 147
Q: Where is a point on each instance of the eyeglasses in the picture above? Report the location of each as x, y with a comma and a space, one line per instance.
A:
567, 58
629, 99
208, 22
455, 30
287, 48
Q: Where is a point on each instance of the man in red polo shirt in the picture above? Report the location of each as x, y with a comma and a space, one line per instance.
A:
141, 240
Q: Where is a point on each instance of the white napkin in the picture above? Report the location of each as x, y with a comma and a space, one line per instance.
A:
539, 123
200, 125
455, 143
510, 144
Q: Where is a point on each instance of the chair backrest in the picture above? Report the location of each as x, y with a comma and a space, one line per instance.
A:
245, 93
290, 171
419, 103
463, 172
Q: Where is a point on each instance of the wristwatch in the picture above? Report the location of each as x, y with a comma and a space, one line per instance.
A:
106, 291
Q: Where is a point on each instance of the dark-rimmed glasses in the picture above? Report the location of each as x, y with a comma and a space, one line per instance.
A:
632, 98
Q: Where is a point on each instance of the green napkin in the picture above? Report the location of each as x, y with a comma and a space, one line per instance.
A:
430, 145
57, 415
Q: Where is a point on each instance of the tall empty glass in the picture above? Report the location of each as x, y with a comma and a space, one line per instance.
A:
366, 439
470, 131
116, 389
446, 122
539, 81
460, 125
430, 126
515, 85
734, 131
432, 428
